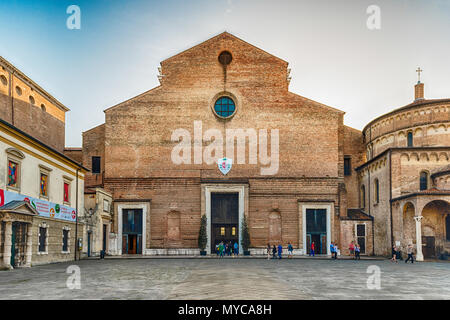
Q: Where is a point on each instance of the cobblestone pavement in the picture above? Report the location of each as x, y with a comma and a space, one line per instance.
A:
228, 279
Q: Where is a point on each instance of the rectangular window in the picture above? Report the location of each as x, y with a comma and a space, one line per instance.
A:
13, 174
222, 231
65, 240
233, 231
43, 185
347, 166
66, 192
42, 239
96, 164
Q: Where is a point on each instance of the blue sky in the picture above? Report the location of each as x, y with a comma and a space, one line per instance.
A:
335, 59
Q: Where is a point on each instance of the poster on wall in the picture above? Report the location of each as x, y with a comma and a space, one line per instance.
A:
44, 208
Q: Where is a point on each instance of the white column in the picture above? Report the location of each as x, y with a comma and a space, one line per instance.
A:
419, 254
7, 245
29, 248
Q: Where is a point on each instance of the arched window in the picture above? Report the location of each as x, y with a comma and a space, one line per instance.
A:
377, 190
410, 139
423, 180
362, 201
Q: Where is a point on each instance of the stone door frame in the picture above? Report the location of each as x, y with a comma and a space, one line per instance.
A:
242, 191
133, 205
312, 205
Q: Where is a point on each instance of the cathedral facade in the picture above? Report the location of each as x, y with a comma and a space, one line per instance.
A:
222, 136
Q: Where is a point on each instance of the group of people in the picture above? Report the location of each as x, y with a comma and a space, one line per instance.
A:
355, 250
397, 254
279, 250
228, 249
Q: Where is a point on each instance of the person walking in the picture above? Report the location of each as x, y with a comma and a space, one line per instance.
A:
274, 252
311, 252
357, 252
280, 250
410, 252
268, 251
236, 249
336, 249
332, 250
290, 249
351, 248
394, 254
221, 248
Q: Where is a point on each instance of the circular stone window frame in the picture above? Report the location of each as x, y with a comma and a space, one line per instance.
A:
226, 94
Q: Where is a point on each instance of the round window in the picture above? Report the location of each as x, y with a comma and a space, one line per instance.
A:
224, 107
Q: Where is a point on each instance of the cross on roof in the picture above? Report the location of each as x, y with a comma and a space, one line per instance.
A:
418, 72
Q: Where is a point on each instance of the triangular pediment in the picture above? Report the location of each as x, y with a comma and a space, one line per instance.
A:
219, 38
21, 207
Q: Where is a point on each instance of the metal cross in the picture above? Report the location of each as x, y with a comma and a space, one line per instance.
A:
418, 72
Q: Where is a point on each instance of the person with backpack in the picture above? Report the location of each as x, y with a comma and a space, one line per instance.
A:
290, 249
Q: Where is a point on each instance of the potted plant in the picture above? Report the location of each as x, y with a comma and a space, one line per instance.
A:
245, 242
202, 237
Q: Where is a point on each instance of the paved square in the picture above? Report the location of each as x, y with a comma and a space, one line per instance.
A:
228, 279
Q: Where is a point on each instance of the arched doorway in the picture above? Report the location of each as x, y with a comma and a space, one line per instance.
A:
434, 228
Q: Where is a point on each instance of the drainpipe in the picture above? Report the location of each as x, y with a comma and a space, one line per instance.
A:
390, 197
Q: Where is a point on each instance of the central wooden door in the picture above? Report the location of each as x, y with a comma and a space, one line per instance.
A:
224, 219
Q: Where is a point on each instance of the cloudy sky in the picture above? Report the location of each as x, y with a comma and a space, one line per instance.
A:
335, 58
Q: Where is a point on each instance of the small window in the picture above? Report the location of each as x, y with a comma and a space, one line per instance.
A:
410, 139
96, 164
43, 188
66, 192
13, 174
43, 108
65, 247
32, 101
3, 80
347, 166
377, 190
233, 231
222, 231
18, 91
224, 107
42, 239
423, 180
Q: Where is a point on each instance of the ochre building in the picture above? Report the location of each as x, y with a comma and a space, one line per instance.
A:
222, 136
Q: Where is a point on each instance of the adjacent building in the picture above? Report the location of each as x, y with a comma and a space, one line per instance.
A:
41, 189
